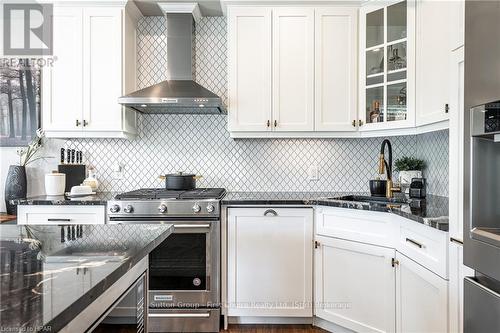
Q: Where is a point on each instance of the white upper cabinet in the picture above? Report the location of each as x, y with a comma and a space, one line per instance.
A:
434, 31
387, 65
249, 68
63, 106
94, 47
103, 64
335, 69
293, 69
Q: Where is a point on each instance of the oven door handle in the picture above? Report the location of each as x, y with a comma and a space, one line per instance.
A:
191, 226
174, 315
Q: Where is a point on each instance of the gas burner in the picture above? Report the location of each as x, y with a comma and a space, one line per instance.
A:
161, 193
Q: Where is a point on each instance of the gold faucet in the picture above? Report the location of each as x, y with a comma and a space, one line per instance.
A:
382, 164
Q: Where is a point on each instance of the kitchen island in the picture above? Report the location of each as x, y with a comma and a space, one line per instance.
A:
66, 278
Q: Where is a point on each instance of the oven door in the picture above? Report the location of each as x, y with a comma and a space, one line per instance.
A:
184, 268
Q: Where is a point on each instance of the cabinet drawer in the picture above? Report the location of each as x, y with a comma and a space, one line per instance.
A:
52, 214
424, 245
356, 225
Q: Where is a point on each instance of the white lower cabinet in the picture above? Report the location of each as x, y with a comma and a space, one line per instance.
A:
421, 298
458, 271
61, 214
367, 284
269, 262
355, 285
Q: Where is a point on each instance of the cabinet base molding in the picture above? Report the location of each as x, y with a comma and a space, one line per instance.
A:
271, 320
329, 326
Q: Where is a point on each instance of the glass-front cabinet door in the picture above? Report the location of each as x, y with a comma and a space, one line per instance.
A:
387, 65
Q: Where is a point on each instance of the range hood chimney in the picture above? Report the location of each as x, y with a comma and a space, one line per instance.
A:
179, 94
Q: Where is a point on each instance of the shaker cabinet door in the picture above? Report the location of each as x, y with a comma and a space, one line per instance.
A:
335, 69
269, 262
103, 69
421, 298
354, 285
249, 69
293, 69
433, 61
62, 84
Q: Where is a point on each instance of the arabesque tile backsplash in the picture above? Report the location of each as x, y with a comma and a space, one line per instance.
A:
201, 144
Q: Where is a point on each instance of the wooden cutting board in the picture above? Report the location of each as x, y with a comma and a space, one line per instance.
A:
4, 217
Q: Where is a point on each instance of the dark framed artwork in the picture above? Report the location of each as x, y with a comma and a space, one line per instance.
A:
20, 81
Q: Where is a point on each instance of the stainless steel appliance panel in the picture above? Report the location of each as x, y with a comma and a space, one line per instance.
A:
200, 320
481, 153
482, 307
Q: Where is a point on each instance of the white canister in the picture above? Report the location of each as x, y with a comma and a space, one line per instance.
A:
55, 183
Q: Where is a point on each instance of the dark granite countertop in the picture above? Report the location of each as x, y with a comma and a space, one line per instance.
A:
100, 198
46, 283
431, 211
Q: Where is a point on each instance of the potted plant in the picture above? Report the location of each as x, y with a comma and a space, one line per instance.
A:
408, 168
16, 183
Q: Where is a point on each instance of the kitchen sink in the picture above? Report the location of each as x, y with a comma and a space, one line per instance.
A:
372, 200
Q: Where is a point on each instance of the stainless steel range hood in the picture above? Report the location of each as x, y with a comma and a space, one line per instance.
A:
179, 94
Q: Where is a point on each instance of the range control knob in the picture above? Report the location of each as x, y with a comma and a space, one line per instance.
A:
210, 208
196, 208
162, 208
114, 209
128, 209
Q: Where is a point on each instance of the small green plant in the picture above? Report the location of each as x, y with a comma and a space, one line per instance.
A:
409, 163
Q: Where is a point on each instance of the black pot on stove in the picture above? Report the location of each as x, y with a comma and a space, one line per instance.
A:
180, 181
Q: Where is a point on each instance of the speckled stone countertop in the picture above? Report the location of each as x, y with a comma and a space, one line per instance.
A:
100, 198
431, 211
46, 283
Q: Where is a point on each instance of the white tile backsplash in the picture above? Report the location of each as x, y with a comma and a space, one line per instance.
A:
201, 143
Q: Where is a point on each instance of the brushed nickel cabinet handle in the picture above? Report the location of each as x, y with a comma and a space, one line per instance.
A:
275, 123
360, 122
456, 241
417, 244
268, 123
270, 212
446, 108
85, 123
354, 123
77, 123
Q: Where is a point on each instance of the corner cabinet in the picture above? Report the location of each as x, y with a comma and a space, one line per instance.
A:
95, 61
364, 282
354, 285
387, 66
421, 298
292, 70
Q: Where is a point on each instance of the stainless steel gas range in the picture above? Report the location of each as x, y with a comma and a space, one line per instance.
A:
184, 271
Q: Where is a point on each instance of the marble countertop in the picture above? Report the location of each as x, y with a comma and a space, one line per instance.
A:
431, 211
100, 198
45, 283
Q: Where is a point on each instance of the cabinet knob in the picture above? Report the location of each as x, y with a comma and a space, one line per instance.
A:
77, 123
85, 123
360, 122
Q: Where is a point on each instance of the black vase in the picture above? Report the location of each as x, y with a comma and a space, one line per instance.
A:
15, 186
